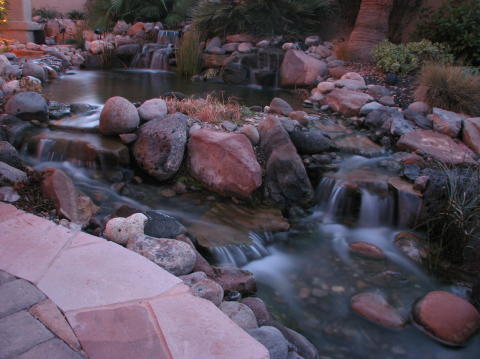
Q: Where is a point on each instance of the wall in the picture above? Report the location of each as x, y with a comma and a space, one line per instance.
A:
62, 6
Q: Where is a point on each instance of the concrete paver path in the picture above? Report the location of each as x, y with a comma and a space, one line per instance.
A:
119, 304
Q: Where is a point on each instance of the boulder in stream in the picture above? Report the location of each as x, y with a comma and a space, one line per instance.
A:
11, 175
28, 106
118, 116
375, 308
9, 155
273, 340
300, 69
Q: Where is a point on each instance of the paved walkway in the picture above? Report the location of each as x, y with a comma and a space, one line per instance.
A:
118, 303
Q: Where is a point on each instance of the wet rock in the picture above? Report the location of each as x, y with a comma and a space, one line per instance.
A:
437, 146
69, 202
311, 142
160, 146
240, 314
410, 244
409, 202
375, 308
358, 144
419, 119
30, 84
128, 138
300, 69
9, 155
160, 225
174, 256
347, 102
389, 121
421, 183
233, 279
446, 317
280, 107
252, 133
420, 107
118, 116
203, 287
471, 134
234, 73
80, 108
224, 162
28, 106
245, 47
8, 194
11, 175
273, 340
366, 250
13, 129
120, 230
34, 70
286, 180
258, 308
153, 109
300, 344
447, 122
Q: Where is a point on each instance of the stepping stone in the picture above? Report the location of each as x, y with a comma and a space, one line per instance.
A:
122, 333
5, 277
19, 332
8, 211
18, 295
53, 349
103, 274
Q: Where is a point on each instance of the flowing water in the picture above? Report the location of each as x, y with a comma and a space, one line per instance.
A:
306, 275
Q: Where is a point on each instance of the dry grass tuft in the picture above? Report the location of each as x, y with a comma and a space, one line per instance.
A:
209, 109
449, 87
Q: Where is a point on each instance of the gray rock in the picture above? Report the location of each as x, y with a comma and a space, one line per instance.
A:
419, 119
377, 91
301, 344
273, 340
17, 295
311, 142
9, 155
369, 107
11, 72
11, 175
421, 107
8, 194
34, 70
252, 133
119, 230
387, 101
28, 106
389, 121
13, 129
258, 308
118, 116
153, 109
208, 289
280, 106
160, 225
447, 122
240, 314
160, 147
174, 256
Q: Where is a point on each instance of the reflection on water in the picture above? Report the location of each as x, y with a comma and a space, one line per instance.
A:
95, 87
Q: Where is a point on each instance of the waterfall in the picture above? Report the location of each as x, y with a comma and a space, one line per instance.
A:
154, 56
266, 71
168, 37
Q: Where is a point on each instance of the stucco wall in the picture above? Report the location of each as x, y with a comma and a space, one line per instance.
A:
62, 6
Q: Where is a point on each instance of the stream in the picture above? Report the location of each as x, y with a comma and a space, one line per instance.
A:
307, 275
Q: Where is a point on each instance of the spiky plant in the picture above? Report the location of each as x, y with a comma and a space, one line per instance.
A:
189, 54
261, 17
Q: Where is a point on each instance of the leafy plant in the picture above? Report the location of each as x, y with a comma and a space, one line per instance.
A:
457, 24
260, 17
404, 59
76, 15
3, 10
179, 11
189, 54
450, 87
47, 13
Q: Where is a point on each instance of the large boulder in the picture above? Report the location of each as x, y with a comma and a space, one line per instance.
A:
11, 175
224, 162
300, 69
13, 129
438, 146
286, 180
347, 102
174, 256
9, 155
471, 133
446, 317
160, 146
311, 141
69, 202
447, 122
28, 106
118, 116
34, 70
280, 106
389, 121
153, 109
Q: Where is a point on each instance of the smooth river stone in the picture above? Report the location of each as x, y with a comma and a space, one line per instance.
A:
366, 250
375, 308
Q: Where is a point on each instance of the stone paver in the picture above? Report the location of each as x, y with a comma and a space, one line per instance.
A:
5, 277
52, 349
103, 274
8, 211
194, 328
17, 295
20, 332
124, 332
48, 313
29, 244
85, 239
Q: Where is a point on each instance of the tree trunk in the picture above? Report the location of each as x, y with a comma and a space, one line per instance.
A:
371, 27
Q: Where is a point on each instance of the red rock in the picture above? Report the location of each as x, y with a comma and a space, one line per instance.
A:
438, 146
376, 309
471, 133
446, 317
367, 250
136, 29
346, 101
338, 71
234, 279
224, 162
240, 38
300, 69
48, 313
447, 122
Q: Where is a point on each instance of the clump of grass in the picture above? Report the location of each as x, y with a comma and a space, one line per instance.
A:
76, 15
209, 109
189, 54
449, 87
47, 13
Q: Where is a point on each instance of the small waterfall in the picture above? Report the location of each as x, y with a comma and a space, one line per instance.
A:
160, 59
153, 56
266, 72
376, 210
168, 37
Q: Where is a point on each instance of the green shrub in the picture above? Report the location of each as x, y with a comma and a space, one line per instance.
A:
261, 17
456, 23
180, 12
450, 87
3, 10
403, 59
76, 15
189, 54
47, 13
